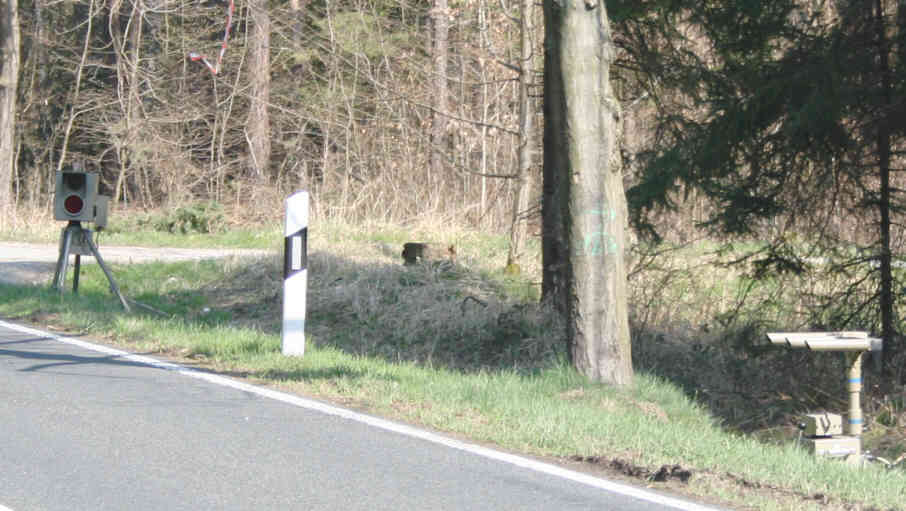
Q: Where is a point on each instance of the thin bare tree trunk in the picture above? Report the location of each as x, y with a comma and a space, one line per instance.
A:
258, 126
296, 7
884, 148
523, 188
441, 17
128, 57
485, 106
9, 76
35, 84
73, 113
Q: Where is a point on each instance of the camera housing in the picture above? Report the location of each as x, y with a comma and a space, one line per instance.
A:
75, 196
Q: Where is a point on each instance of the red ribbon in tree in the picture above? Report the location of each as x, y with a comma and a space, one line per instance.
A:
195, 56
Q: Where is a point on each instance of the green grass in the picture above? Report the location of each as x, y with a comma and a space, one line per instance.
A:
192, 226
460, 348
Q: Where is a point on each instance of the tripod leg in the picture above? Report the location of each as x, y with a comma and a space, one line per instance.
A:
113, 287
59, 277
75, 274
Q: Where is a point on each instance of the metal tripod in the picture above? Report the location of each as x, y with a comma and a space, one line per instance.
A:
77, 240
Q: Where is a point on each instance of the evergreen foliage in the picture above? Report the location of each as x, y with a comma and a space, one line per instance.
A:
792, 130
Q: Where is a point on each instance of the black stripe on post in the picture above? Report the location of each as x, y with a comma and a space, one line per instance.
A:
295, 253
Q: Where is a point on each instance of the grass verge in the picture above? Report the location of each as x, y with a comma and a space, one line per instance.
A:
461, 348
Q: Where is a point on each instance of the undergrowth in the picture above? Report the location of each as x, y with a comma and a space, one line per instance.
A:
701, 324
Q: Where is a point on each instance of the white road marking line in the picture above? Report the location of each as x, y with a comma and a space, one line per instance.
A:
402, 429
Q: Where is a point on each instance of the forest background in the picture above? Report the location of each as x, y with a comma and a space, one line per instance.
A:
773, 132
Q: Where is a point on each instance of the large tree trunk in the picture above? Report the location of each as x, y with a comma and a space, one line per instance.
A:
9, 74
259, 71
584, 236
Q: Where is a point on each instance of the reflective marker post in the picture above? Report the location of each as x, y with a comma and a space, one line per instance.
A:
295, 273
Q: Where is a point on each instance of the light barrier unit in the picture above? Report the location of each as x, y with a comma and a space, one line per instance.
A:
824, 431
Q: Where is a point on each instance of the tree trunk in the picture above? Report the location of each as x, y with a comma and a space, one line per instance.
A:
77, 86
440, 16
128, 56
36, 84
296, 7
883, 147
553, 235
523, 188
9, 74
585, 207
258, 126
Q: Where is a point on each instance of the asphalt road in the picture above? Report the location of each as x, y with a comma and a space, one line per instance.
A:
85, 427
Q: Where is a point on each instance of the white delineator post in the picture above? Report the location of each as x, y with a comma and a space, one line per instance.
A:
295, 273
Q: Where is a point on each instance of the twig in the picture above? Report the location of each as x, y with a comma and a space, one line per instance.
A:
462, 307
147, 307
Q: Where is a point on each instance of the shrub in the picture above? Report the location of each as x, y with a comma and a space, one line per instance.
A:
196, 218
